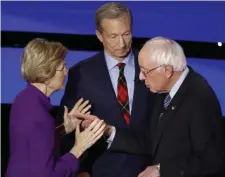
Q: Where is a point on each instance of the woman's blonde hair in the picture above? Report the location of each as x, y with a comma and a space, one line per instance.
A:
40, 59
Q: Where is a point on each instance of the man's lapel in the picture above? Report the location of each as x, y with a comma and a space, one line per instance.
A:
168, 114
102, 82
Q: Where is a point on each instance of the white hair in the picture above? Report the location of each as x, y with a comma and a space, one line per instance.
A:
164, 51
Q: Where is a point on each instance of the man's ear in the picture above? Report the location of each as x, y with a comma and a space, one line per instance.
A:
169, 71
99, 35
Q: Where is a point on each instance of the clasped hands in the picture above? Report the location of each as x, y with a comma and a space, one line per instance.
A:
87, 119
74, 118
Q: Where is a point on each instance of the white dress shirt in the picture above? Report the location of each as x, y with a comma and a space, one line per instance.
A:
129, 73
177, 85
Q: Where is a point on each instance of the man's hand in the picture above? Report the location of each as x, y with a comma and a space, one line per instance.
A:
108, 131
70, 120
150, 171
88, 119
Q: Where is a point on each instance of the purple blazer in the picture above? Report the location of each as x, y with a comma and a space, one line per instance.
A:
32, 139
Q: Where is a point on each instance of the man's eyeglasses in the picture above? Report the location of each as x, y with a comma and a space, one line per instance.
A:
147, 72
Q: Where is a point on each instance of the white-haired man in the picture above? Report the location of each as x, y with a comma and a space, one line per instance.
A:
184, 137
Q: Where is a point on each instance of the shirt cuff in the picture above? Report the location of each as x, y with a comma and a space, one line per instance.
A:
111, 138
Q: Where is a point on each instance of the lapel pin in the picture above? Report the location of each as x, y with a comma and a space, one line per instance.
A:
173, 107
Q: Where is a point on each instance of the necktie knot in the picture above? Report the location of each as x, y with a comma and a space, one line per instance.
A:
167, 101
121, 66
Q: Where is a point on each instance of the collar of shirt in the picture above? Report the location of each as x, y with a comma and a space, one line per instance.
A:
41, 96
177, 85
112, 62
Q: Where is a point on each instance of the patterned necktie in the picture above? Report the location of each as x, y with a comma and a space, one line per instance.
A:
167, 101
122, 94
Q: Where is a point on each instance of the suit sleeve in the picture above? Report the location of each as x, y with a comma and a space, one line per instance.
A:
42, 159
131, 141
207, 156
134, 141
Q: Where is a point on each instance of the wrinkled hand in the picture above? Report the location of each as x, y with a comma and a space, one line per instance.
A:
86, 138
81, 107
150, 171
70, 120
88, 119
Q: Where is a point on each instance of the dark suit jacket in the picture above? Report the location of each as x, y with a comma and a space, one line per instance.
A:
187, 141
90, 79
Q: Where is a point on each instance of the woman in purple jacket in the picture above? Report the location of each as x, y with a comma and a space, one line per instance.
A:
32, 128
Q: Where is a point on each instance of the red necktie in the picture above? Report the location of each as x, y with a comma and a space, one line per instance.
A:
122, 94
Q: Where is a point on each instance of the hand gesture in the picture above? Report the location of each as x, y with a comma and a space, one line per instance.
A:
86, 138
70, 121
88, 119
81, 107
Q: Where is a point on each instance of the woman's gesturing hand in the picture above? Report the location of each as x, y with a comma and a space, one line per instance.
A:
71, 121
86, 138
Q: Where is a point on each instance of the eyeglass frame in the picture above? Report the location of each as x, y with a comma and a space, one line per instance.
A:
147, 72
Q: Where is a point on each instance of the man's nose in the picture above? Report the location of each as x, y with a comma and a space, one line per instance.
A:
121, 42
141, 76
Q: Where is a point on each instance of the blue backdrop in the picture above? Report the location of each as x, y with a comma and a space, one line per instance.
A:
12, 82
194, 21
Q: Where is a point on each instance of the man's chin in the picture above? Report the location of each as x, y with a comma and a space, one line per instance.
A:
151, 90
123, 54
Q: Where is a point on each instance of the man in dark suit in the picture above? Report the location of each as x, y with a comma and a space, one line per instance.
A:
184, 137
109, 80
